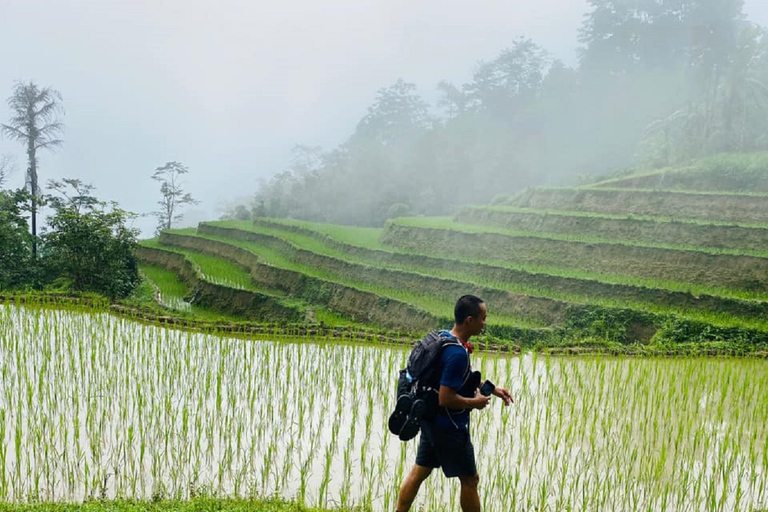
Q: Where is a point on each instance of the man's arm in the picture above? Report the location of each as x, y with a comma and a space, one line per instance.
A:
451, 399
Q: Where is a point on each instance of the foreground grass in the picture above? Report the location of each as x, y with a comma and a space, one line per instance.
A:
193, 505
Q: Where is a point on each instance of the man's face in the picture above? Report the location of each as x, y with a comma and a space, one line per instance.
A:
478, 323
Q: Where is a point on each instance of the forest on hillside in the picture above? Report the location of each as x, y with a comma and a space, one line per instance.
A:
658, 82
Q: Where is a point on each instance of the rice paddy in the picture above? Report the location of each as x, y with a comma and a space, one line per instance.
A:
295, 243
348, 235
95, 406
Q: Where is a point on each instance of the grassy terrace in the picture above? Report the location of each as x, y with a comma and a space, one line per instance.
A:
731, 172
299, 241
225, 273
342, 242
172, 294
724, 207
435, 305
214, 269
684, 264
172, 289
317, 238
737, 271
649, 231
448, 223
605, 216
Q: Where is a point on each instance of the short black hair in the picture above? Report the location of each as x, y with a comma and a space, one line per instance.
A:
467, 305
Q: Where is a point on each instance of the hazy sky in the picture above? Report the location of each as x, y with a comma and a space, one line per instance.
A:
228, 87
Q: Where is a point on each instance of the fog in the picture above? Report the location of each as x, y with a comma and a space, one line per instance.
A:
229, 88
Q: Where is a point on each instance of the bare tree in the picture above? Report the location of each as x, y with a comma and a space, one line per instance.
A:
34, 122
174, 196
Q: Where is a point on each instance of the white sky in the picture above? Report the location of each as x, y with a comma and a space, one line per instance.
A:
228, 87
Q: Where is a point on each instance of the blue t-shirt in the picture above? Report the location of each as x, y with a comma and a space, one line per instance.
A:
456, 369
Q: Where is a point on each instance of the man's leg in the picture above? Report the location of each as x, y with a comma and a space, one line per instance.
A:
470, 501
410, 487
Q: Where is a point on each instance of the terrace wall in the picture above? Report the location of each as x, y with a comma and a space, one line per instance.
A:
746, 180
623, 325
361, 305
739, 272
676, 205
245, 303
657, 232
541, 309
514, 277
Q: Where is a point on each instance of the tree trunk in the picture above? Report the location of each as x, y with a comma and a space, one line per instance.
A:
31, 152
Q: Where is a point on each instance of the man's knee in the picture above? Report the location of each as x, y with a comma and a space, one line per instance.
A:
419, 473
470, 481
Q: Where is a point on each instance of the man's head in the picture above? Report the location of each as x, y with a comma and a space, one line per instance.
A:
469, 313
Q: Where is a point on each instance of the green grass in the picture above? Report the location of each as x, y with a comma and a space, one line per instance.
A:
367, 238
223, 272
353, 235
677, 286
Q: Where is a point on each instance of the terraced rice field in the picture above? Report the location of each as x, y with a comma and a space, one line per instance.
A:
558, 266
349, 271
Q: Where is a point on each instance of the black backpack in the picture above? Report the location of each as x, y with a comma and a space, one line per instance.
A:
421, 376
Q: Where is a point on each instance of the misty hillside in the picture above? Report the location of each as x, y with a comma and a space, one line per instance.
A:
657, 85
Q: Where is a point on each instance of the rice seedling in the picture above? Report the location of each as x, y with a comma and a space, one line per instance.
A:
96, 406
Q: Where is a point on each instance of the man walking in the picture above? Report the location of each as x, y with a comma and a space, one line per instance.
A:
445, 441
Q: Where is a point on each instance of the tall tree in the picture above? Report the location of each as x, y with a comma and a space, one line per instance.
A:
626, 36
72, 193
396, 114
174, 196
34, 122
510, 81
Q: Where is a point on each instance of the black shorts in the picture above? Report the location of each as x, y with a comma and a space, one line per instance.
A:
447, 448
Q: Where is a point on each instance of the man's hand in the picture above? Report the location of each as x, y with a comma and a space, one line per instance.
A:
480, 400
504, 395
